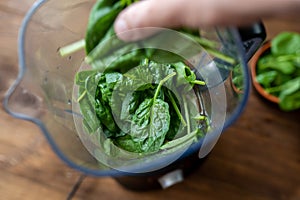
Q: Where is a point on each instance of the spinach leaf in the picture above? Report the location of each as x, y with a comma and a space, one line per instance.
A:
96, 10
291, 86
187, 139
91, 86
162, 56
278, 69
150, 124
159, 72
86, 92
106, 86
176, 117
281, 79
138, 79
271, 62
90, 120
186, 78
104, 115
286, 43
120, 60
102, 96
179, 142
106, 46
286, 88
80, 77
128, 144
102, 16
289, 102
266, 78
129, 105
141, 120
151, 121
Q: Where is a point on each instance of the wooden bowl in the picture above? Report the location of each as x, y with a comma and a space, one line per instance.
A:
253, 66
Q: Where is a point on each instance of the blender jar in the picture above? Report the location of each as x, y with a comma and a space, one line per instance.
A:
44, 93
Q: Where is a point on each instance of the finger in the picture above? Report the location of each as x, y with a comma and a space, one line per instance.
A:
181, 13
148, 13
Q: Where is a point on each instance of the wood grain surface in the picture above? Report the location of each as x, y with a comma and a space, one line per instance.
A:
257, 158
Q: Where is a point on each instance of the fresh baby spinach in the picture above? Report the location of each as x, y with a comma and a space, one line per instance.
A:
101, 17
278, 70
145, 112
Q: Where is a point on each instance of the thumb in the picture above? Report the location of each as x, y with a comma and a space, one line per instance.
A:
148, 13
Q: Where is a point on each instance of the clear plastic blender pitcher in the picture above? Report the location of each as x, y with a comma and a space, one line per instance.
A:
44, 92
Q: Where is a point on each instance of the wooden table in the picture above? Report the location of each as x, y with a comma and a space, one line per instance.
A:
257, 158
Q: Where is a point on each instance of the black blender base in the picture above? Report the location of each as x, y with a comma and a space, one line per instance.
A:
150, 181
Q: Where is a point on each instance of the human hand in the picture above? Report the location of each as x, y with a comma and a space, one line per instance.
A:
195, 14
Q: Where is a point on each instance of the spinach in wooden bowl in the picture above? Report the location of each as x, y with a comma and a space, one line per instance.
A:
278, 70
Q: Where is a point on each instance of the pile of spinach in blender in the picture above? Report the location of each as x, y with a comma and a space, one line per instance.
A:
143, 100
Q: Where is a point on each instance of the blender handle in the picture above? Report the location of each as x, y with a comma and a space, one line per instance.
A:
252, 38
